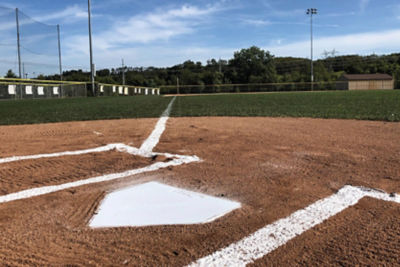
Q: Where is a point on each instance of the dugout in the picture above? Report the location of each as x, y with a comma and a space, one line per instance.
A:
377, 81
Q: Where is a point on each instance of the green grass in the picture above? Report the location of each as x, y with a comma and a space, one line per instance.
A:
363, 105
79, 109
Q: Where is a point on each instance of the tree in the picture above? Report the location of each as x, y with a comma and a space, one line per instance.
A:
254, 64
10, 74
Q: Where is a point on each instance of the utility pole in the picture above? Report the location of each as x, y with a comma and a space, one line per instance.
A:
123, 72
311, 12
59, 52
91, 50
59, 60
24, 75
18, 44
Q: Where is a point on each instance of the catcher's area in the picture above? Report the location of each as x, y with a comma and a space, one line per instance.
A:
301, 184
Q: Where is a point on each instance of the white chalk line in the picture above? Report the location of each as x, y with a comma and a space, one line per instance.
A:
176, 161
60, 154
274, 235
29, 193
150, 143
145, 150
120, 147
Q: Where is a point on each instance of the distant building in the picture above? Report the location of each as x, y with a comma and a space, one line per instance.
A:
367, 82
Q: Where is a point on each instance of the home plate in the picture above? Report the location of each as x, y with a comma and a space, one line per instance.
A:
154, 203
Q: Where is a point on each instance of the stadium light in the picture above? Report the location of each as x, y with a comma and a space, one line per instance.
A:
311, 12
90, 49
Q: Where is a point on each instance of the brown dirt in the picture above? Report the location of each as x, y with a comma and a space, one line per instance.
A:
19, 175
366, 234
273, 166
23, 140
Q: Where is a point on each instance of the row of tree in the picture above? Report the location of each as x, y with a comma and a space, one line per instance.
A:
252, 65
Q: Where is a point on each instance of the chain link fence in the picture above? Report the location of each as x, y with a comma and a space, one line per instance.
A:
28, 47
249, 88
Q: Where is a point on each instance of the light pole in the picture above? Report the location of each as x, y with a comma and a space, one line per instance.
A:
311, 12
90, 49
123, 72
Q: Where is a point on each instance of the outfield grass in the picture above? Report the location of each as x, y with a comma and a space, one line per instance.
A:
79, 109
363, 105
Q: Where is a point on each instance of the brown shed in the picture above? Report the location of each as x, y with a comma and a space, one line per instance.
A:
376, 81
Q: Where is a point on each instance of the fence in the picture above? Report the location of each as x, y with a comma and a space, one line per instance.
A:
36, 89
124, 90
248, 88
27, 47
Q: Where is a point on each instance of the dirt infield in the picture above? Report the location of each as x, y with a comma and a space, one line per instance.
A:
273, 166
371, 238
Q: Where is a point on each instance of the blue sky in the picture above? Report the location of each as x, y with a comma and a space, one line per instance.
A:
164, 33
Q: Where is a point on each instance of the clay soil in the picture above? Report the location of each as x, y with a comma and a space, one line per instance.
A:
366, 234
273, 166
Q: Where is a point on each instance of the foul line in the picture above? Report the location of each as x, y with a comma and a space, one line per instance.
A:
150, 142
145, 150
278, 233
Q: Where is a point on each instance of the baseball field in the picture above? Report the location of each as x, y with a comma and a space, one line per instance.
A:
316, 174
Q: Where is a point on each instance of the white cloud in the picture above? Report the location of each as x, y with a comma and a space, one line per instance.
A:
68, 15
159, 25
261, 22
168, 55
153, 55
145, 28
143, 34
343, 14
360, 43
257, 22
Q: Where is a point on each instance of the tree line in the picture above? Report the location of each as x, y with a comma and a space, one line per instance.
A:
251, 65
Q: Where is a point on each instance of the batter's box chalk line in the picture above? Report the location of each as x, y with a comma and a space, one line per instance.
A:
146, 150
274, 235
241, 253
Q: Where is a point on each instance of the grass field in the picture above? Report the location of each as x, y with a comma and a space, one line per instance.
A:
363, 105
78, 109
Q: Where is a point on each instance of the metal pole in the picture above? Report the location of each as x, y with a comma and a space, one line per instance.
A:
59, 52
90, 49
312, 65
59, 60
18, 44
311, 12
177, 85
123, 72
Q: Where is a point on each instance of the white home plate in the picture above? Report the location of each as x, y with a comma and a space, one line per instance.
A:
158, 204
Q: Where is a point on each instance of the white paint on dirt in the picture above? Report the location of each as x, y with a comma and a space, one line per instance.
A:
144, 151
176, 160
104, 178
272, 236
118, 146
154, 203
150, 143
97, 133
60, 154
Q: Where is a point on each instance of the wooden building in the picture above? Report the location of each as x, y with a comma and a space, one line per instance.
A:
367, 81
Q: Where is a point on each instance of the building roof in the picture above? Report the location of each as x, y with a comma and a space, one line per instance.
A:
366, 77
